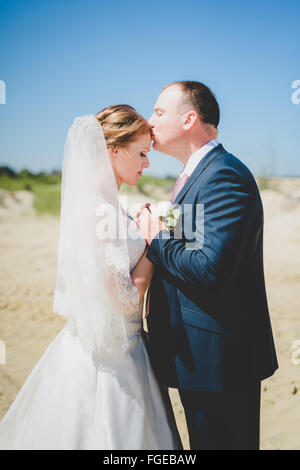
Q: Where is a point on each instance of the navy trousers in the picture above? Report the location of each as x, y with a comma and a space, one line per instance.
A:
227, 420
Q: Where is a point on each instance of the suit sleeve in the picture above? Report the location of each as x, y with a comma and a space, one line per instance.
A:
226, 200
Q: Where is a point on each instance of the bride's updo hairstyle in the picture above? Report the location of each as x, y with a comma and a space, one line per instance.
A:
121, 125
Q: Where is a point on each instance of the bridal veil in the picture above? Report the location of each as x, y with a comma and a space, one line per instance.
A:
94, 290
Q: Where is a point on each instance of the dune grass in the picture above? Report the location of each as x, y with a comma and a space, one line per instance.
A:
146, 181
46, 187
47, 199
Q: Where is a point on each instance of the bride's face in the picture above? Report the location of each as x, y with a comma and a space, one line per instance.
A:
131, 161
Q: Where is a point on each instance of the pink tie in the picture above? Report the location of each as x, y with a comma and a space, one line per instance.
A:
180, 182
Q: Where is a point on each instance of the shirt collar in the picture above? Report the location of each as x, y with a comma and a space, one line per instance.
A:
195, 158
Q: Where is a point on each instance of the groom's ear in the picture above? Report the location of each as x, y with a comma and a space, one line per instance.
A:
189, 119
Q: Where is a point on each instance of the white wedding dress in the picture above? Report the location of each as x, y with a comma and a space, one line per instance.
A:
66, 403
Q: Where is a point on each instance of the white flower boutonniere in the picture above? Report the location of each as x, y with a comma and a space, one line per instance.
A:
168, 214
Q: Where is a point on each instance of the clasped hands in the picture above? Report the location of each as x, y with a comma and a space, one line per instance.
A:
148, 221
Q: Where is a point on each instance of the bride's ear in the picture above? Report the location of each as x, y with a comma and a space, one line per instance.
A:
112, 152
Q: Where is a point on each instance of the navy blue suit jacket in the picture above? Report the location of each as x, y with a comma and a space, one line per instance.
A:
208, 325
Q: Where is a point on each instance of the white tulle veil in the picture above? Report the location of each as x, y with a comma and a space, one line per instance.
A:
93, 265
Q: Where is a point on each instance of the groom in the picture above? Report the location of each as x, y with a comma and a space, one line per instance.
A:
209, 327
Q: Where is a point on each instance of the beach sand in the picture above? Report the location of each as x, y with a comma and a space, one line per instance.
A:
28, 248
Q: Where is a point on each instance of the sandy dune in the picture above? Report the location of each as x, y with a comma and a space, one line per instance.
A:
28, 247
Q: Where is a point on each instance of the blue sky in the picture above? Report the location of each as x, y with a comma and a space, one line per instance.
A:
61, 59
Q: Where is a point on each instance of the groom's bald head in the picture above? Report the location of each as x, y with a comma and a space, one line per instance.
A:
197, 96
186, 116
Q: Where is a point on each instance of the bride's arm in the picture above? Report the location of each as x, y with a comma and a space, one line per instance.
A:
142, 274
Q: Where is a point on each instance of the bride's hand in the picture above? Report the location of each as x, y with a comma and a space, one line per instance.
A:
144, 206
149, 222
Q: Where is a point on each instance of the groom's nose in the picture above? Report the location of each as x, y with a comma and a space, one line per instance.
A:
151, 120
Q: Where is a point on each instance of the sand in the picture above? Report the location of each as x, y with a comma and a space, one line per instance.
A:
28, 246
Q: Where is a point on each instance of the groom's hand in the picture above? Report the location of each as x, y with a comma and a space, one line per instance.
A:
149, 223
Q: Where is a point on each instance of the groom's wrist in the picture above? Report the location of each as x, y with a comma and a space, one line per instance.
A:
156, 244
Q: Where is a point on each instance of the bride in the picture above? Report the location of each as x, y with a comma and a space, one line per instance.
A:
94, 387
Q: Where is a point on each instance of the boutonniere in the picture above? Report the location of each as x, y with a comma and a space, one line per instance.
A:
168, 214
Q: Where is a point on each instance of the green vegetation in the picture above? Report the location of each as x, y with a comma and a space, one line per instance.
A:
146, 182
264, 183
45, 187
150, 186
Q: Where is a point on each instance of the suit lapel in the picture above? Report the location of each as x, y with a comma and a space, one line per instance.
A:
204, 162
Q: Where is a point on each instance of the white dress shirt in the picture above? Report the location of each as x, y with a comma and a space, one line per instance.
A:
195, 158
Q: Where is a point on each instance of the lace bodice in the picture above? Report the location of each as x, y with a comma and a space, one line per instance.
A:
135, 242
136, 246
